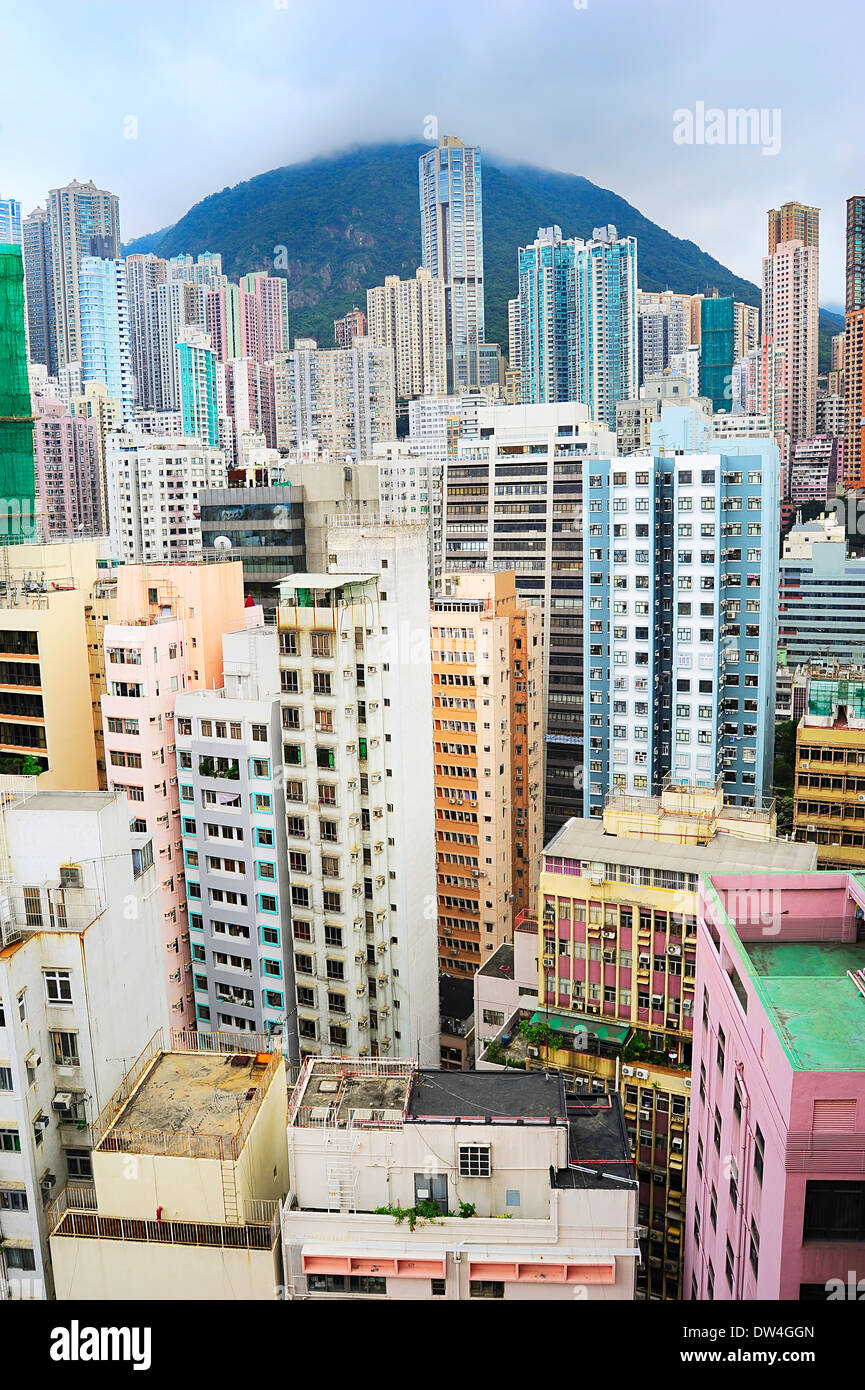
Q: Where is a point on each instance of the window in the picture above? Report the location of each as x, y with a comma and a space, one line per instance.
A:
475, 1161
438, 1287
263, 837
5, 1078
486, 1288
10, 1141
58, 986
13, 1199
19, 1257
759, 1149
346, 1283
834, 1210
65, 1049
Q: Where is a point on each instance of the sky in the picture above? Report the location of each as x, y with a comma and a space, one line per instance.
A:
164, 103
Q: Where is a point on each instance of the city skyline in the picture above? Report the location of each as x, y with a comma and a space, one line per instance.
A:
152, 138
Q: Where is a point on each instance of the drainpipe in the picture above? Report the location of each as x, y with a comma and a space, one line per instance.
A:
744, 1183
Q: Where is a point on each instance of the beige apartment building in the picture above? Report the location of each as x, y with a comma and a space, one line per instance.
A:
409, 317
488, 715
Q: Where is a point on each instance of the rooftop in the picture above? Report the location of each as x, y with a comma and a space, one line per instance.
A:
587, 839
485, 1095
187, 1103
500, 964
817, 1010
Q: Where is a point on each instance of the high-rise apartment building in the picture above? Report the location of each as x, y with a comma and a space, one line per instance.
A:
854, 345
487, 714
143, 274
68, 473
578, 320
153, 487
717, 351
79, 981
39, 290
816, 470
230, 770
358, 758
164, 639
452, 246
664, 329
790, 321
775, 1196
793, 222
680, 596
342, 397
10, 222
196, 378
513, 493
352, 325
408, 316
84, 221
172, 307
269, 294
106, 351
264, 524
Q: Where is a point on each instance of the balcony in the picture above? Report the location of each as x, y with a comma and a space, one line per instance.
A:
75, 1213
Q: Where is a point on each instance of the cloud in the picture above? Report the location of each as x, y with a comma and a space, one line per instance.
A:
222, 91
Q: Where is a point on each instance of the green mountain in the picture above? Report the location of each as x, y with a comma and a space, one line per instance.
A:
337, 225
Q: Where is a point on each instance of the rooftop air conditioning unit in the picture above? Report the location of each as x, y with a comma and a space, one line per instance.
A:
627, 1071
642, 1074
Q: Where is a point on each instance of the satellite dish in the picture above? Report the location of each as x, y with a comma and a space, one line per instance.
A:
222, 543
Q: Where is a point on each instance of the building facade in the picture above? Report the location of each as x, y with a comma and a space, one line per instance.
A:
452, 250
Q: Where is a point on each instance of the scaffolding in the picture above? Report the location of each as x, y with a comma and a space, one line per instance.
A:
17, 473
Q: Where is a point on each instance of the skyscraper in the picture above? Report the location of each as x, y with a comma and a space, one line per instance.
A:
270, 296
343, 397
793, 222
352, 325
681, 601
790, 309
85, 221
39, 286
452, 246
68, 474
10, 222
409, 317
196, 375
143, 274
854, 345
104, 325
578, 320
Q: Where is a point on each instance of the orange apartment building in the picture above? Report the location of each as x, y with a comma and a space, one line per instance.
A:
487, 721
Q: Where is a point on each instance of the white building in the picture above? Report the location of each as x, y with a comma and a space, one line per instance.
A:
343, 397
153, 486
80, 994
358, 755
229, 762
401, 1178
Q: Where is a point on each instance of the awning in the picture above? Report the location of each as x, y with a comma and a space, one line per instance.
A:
576, 1023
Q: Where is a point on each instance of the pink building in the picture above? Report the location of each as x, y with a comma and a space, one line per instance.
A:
270, 293
166, 639
68, 483
776, 1171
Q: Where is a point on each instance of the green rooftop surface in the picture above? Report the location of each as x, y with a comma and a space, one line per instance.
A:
818, 1012
605, 1032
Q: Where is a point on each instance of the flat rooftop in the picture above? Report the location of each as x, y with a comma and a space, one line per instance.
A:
817, 1010
586, 839
343, 1090
501, 963
203, 1095
324, 581
486, 1095
64, 801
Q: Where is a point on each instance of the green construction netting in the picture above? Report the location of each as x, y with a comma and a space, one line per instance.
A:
17, 478
824, 696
